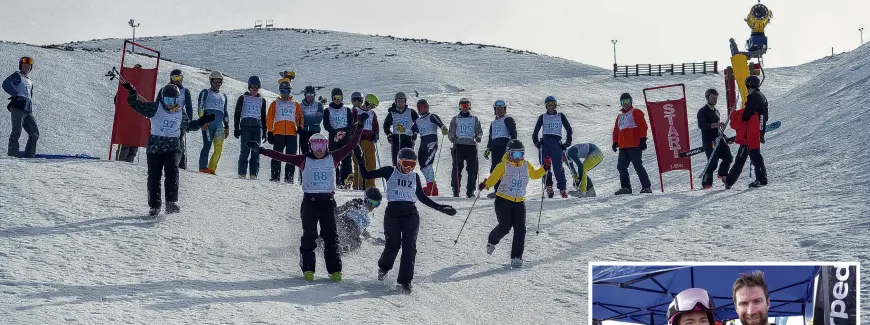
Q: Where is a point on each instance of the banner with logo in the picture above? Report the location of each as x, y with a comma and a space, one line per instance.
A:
670, 128
836, 296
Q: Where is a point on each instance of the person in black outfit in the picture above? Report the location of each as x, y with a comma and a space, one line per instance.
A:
501, 130
710, 124
750, 123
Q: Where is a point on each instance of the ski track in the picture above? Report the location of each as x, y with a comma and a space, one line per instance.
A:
75, 246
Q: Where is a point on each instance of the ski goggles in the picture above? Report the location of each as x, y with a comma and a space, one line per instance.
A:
27, 60
373, 203
689, 300
318, 145
217, 81
464, 104
408, 163
285, 91
625, 102
422, 106
356, 100
171, 103
516, 154
176, 78
337, 98
499, 104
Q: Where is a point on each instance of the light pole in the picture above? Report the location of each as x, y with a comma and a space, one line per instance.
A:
861, 30
133, 24
614, 51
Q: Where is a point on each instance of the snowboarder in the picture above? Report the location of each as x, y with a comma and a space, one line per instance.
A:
213, 101
176, 77
168, 122
318, 199
400, 125
250, 125
710, 124
352, 218
366, 106
312, 112
692, 306
20, 89
551, 144
629, 138
337, 119
585, 156
501, 131
401, 219
749, 123
428, 124
512, 174
282, 121
465, 132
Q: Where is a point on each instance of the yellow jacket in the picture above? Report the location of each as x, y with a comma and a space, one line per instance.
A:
498, 172
283, 127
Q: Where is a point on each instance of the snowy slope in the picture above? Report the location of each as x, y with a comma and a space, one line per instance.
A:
73, 247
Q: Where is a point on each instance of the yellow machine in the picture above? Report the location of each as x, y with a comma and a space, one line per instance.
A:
756, 46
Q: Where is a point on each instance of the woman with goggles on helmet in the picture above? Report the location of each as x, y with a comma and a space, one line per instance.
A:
691, 307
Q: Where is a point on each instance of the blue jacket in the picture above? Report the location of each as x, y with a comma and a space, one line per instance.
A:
20, 94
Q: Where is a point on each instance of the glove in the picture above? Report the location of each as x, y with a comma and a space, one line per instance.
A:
448, 210
339, 135
537, 145
237, 133
547, 162
444, 130
253, 145
361, 120
128, 86
762, 136
206, 119
270, 137
486, 153
390, 139
226, 132
477, 139
642, 143
615, 146
482, 185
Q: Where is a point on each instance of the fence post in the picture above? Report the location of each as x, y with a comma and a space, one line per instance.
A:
614, 70
637, 70
672, 69
693, 68
716, 66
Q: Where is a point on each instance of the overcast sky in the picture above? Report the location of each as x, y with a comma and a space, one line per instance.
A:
660, 31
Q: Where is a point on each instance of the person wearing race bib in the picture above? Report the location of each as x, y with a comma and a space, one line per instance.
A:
465, 132
352, 218
176, 77
312, 112
400, 125
250, 125
585, 156
501, 131
282, 121
20, 89
401, 219
551, 144
428, 125
213, 101
318, 198
629, 137
512, 175
366, 106
336, 120
168, 122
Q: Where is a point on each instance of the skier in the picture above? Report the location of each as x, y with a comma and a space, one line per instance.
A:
428, 125
20, 89
551, 145
512, 174
400, 125
213, 101
629, 138
352, 218
250, 125
710, 124
282, 121
585, 156
312, 112
168, 121
401, 219
465, 132
370, 136
750, 134
337, 119
501, 131
176, 77
318, 198
692, 306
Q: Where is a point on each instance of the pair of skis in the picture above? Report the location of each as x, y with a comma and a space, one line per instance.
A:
770, 127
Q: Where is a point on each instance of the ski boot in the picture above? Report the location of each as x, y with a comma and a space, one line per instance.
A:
382, 275
274, 179
646, 190
434, 189
590, 192
469, 195
707, 186
490, 248
428, 189
153, 212
491, 195
550, 192
252, 177
335, 276
204, 170
517, 262
308, 275
563, 193
404, 288
757, 184
243, 176
172, 207
288, 180
622, 191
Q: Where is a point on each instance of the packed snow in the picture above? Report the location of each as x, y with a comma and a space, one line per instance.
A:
74, 246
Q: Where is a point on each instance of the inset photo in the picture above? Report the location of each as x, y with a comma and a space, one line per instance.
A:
725, 293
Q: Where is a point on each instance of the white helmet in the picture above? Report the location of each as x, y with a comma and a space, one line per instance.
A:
317, 136
215, 75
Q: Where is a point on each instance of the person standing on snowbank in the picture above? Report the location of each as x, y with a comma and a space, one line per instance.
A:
710, 124
282, 121
337, 119
318, 198
176, 77
749, 123
250, 125
168, 122
629, 138
428, 124
366, 106
465, 133
20, 89
400, 125
551, 145
213, 101
501, 131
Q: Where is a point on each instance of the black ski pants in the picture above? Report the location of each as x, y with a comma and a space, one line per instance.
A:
319, 208
284, 144
723, 157
754, 155
510, 215
464, 156
401, 225
158, 164
633, 156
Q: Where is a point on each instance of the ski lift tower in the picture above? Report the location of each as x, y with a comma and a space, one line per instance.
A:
133, 24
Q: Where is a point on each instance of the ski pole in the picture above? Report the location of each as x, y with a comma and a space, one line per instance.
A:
466, 218
543, 181
378, 160
440, 150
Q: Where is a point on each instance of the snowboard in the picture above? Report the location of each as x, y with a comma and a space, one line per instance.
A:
770, 127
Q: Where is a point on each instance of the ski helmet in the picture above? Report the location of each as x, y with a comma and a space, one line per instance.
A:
752, 82
550, 99
336, 92
318, 142
423, 102
401, 95
710, 92
464, 101
356, 96
285, 87
372, 100
310, 90
374, 194
170, 90
515, 145
254, 81
176, 72
499, 103
170, 99
406, 154
688, 301
25, 60
624, 97
215, 75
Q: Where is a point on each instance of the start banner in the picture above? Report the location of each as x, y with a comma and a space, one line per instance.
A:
670, 128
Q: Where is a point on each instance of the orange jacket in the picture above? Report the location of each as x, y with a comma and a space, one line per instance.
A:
283, 127
629, 128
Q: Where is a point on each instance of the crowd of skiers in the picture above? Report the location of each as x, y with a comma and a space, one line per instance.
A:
347, 157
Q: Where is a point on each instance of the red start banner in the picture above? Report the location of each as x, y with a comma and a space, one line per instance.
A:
670, 128
130, 128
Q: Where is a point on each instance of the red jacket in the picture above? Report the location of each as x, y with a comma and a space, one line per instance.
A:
629, 128
748, 132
